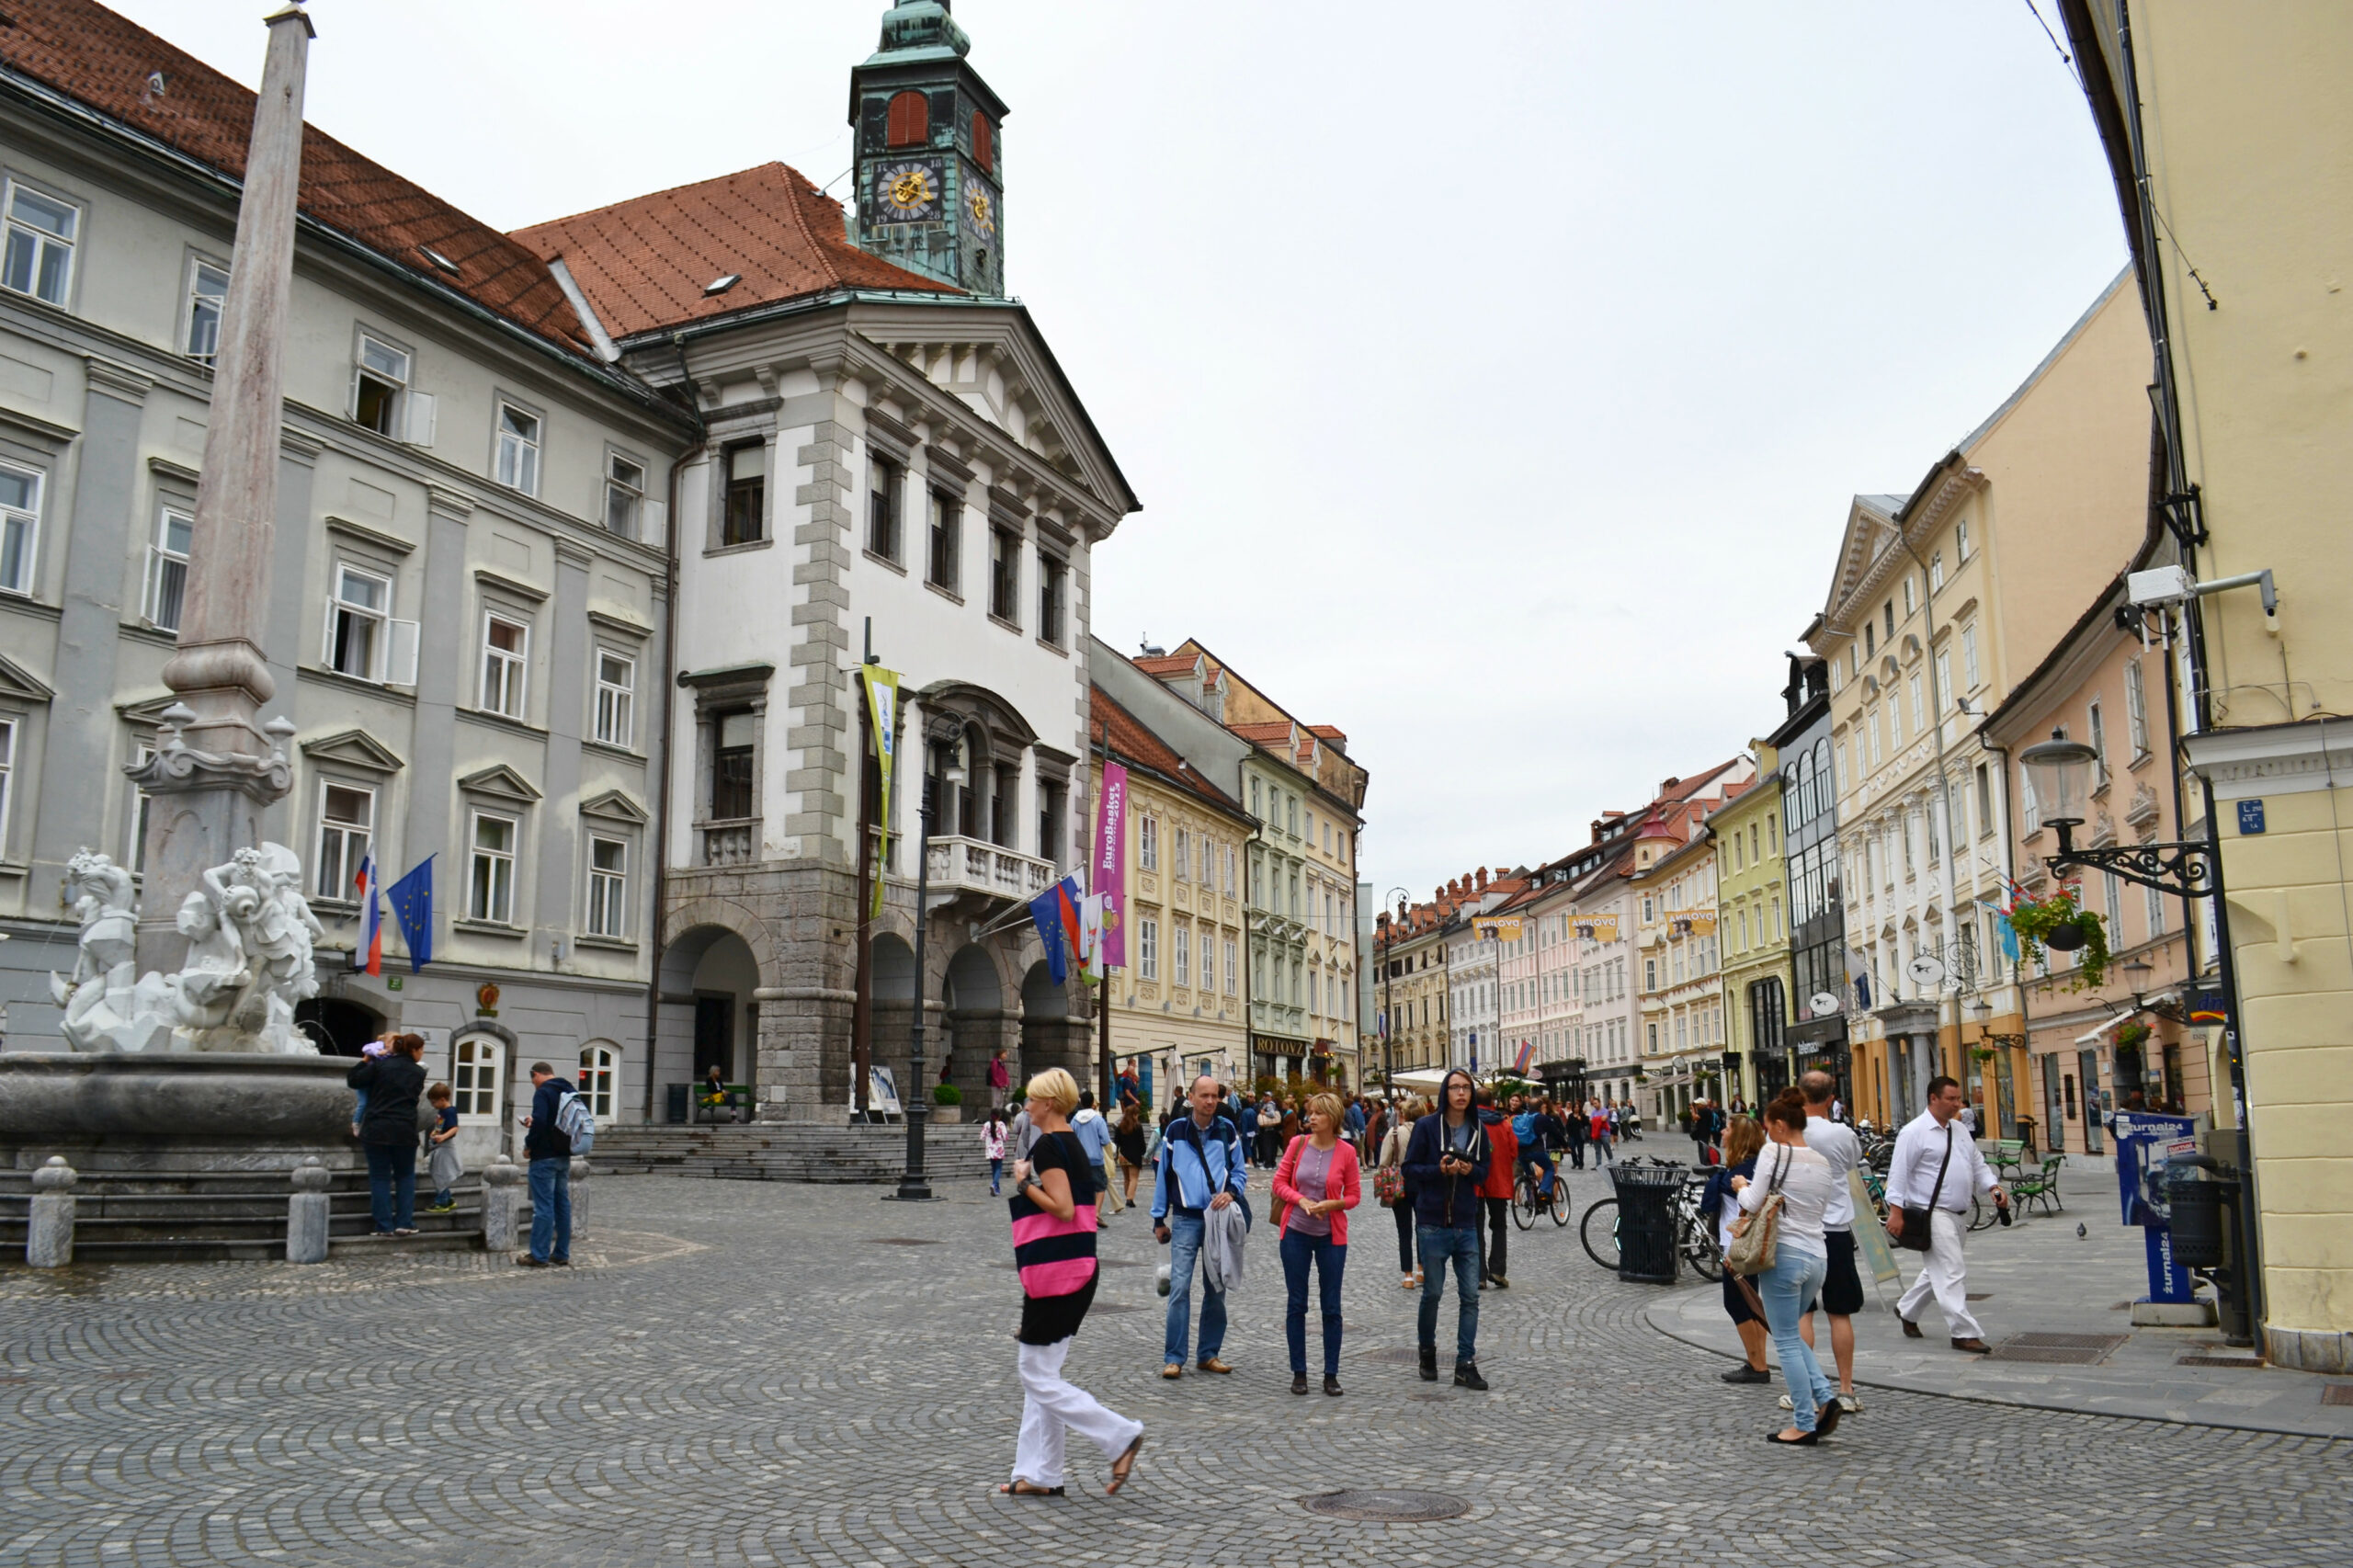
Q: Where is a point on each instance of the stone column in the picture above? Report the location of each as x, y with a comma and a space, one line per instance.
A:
502, 1205
48, 1237
216, 770
306, 1214
577, 1189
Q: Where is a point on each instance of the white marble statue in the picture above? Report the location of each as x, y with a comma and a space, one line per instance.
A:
250, 936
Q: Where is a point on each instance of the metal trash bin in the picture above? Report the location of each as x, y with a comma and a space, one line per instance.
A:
1646, 1196
679, 1102
2198, 1203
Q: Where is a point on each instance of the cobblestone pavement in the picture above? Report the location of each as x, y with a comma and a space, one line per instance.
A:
747, 1374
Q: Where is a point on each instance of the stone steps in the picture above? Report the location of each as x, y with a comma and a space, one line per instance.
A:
802, 1152
165, 1215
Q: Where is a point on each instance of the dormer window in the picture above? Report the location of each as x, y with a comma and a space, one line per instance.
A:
910, 122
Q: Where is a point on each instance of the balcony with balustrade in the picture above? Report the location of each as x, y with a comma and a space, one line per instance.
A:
977, 870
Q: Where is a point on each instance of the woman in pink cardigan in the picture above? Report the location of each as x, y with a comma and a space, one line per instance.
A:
1315, 1186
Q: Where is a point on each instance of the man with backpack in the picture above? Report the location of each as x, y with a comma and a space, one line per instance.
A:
557, 1111
1531, 1126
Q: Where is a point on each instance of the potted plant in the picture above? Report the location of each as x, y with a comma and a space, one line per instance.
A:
1982, 1052
2132, 1034
946, 1104
2063, 926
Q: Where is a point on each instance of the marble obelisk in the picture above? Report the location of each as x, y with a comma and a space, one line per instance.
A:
217, 765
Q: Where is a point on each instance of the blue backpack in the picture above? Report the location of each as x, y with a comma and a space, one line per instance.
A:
1529, 1128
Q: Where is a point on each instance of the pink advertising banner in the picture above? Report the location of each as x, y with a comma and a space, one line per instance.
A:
1110, 865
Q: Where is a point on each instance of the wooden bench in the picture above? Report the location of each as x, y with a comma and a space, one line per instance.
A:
2040, 1187
2007, 1156
736, 1107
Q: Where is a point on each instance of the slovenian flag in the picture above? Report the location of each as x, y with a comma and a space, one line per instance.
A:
369, 954
1055, 913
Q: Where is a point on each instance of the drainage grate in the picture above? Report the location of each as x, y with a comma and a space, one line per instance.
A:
1401, 1355
2058, 1349
900, 1241
2218, 1361
2337, 1393
1388, 1506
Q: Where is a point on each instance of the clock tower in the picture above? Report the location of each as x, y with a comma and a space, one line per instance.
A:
930, 152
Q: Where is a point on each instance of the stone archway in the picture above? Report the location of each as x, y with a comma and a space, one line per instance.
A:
1054, 1033
892, 978
709, 1017
975, 1022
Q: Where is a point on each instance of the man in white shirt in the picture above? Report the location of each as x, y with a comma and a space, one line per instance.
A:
1937, 1166
1842, 1287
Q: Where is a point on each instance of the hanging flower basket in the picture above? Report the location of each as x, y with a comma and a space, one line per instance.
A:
1983, 1052
2132, 1034
2063, 925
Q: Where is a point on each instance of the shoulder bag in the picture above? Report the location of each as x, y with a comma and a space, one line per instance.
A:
1919, 1234
1755, 1233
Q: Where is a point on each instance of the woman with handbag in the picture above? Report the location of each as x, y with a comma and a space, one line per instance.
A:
1778, 1242
1315, 1186
1395, 1192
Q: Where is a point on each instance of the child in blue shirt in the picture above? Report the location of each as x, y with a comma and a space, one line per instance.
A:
443, 1166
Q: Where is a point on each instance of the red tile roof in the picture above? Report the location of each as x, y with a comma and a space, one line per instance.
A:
1133, 743
1159, 665
1329, 733
104, 60
644, 263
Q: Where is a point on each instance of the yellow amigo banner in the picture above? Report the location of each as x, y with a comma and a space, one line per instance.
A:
1691, 921
1502, 927
883, 708
1594, 927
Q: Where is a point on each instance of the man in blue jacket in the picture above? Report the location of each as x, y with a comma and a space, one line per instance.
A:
1445, 1161
549, 1147
1204, 1164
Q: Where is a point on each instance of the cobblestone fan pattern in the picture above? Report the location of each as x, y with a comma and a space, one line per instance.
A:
738, 1373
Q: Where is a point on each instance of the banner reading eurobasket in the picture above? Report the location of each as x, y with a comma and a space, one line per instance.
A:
1502, 927
1110, 865
882, 707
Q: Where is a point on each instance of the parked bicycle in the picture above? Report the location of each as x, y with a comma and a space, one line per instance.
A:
1695, 1235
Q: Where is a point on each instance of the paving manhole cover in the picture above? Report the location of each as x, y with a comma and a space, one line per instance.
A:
1400, 1355
2058, 1349
901, 1242
2217, 1361
2337, 1393
1387, 1506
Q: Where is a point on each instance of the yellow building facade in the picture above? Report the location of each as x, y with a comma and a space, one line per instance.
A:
1752, 899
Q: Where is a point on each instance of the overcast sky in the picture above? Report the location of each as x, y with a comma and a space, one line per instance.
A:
1494, 375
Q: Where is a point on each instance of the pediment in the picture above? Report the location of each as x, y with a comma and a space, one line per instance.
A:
1869, 534
615, 806
353, 748
502, 781
21, 684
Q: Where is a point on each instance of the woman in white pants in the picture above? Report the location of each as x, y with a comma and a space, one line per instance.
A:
1053, 1247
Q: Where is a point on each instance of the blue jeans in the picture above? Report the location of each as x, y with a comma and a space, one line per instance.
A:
1786, 1287
391, 1185
551, 1210
1542, 1159
996, 1173
1331, 1259
1183, 1250
1460, 1244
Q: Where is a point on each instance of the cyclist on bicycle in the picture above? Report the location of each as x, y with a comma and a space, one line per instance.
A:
1528, 1126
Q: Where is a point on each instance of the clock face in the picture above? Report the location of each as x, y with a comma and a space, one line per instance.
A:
980, 209
910, 191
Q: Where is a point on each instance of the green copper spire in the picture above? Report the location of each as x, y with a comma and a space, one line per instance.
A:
930, 152
918, 29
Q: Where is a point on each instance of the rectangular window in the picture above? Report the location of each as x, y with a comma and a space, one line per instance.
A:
1184, 958
1961, 539
207, 295
1969, 657
2027, 810
473, 1078
356, 621
1053, 573
347, 824
1936, 846
886, 484
1935, 571
608, 887
519, 450
1148, 950
743, 518
2156, 911
167, 568
1291, 805
1919, 714
135, 855
1208, 964
1870, 727
1148, 843
2136, 710
1230, 973
731, 767
1909, 604
1183, 866
946, 539
1984, 801
1229, 871
1944, 692
38, 259
1004, 573
624, 494
19, 527
2097, 739
491, 887
2113, 906
615, 699
1209, 862
1050, 822
378, 381
506, 650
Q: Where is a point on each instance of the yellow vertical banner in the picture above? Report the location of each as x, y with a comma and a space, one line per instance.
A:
883, 709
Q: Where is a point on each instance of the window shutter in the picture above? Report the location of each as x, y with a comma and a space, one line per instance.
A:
417, 410
401, 656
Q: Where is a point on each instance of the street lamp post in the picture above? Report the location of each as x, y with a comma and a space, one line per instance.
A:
939, 730
2061, 771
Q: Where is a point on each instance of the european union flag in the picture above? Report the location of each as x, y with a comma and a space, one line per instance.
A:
412, 901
